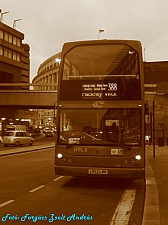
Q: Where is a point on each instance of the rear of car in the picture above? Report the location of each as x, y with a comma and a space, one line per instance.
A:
49, 133
16, 138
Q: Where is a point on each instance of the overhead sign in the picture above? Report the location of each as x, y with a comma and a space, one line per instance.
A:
23, 114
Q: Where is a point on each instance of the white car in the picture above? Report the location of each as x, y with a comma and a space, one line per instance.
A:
49, 133
17, 138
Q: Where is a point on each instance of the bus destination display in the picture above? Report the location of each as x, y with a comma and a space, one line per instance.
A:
99, 90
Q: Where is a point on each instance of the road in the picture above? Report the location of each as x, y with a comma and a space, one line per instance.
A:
30, 188
37, 142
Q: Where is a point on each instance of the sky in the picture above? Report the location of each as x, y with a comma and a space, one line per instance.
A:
48, 24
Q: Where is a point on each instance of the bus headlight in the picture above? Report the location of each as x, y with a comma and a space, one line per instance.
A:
138, 157
59, 155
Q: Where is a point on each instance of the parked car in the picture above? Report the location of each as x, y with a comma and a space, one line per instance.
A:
49, 133
17, 138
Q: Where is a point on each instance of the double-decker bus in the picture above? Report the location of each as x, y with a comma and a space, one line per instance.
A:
100, 110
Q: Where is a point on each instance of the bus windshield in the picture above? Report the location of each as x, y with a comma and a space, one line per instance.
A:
102, 71
100, 127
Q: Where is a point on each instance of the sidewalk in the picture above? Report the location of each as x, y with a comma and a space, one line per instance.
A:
156, 200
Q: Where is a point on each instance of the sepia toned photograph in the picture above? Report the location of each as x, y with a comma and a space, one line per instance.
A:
83, 112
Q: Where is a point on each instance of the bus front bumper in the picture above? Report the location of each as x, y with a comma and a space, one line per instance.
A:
100, 172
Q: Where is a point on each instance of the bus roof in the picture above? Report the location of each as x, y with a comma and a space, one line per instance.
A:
136, 44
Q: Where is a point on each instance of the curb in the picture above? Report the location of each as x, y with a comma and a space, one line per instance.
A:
23, 150
151, 213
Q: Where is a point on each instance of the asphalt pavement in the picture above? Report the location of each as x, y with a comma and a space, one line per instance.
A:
156, 199
25, 148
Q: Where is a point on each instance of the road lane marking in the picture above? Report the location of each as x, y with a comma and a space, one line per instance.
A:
123, 211
6, 203
35, 189
58, 178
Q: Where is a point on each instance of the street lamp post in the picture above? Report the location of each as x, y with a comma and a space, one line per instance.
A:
14, 23
2, 13
99, 31
55, 107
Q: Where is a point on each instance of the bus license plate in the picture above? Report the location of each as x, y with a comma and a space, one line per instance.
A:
116, 151
97, 171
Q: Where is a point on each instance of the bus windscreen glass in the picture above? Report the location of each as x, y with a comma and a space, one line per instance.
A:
102, 71
100, 127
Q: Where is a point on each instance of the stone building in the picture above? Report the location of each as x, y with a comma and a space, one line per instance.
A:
48, 73
156, 94
14, 56
14, 63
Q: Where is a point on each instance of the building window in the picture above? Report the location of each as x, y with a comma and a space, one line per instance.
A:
5, 52
50, 87
47, 83
1, 34
14, 40
1, 50
18, 57
55, 78
10, 54
50, 79
18, 42
14, 55
10, 38
6, 37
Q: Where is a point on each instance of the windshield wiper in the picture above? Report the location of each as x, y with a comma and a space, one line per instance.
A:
71, 145
131, 143
122, 145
